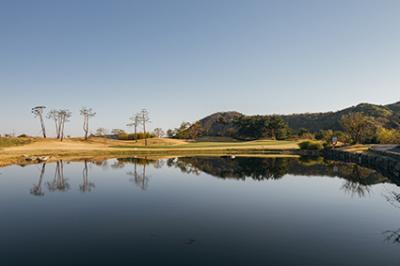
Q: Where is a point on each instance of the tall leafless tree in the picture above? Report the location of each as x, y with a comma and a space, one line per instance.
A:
38, 112
135, 121
144, 119
64, 116
55, 115
87, 113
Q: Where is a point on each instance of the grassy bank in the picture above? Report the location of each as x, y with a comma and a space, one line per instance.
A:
17, 151
12, 142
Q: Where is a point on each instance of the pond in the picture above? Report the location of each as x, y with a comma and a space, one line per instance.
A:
198, 211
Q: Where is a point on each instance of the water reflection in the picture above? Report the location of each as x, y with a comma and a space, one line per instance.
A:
37, 190
392, 236
86, 185
59, 183
207, 207
139, 176
358, 185
354, 188
141, 180
393, 197
357, 180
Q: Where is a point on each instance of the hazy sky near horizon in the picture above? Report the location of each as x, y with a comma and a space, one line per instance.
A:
183, 59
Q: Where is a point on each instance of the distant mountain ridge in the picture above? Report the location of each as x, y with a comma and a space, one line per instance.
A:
386, 115
222, 124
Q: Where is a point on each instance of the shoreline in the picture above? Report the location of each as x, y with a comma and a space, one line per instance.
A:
77, 155
77, 148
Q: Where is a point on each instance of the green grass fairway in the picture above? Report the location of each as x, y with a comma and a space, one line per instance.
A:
265, 144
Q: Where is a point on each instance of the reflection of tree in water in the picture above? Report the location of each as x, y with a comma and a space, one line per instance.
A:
393, 197
158, 164
358, 179
356, 185
139, 178
37, 188
354, 188
239, 168
392, 236
59, 183
118, 164
103, 164
185, 166
86, 186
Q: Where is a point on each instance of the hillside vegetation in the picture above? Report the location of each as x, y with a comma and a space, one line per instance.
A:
226, 124
386, 115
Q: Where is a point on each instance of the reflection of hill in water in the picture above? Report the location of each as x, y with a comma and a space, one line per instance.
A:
121, 162
357, 179
275, 168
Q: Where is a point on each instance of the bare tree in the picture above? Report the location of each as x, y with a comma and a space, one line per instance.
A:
64, 116
54, 114
38, 112
159, 132
144, 119
135, 121
86, 113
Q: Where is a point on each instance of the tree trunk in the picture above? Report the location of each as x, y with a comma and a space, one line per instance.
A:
86, 126
57, 128
42, 124
87, 129
144, 130
62, 130
135, 133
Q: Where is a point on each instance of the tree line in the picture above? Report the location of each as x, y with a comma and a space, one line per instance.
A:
62, 116
242, 128
356, 127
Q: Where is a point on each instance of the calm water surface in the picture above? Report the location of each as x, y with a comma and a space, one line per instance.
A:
198, 211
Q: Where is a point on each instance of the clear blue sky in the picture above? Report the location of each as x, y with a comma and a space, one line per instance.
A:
186, 59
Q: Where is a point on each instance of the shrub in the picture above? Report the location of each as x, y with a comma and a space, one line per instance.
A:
310, 145
23, 136
307, 135
10, 142
388, 136
123, 136
140, 135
